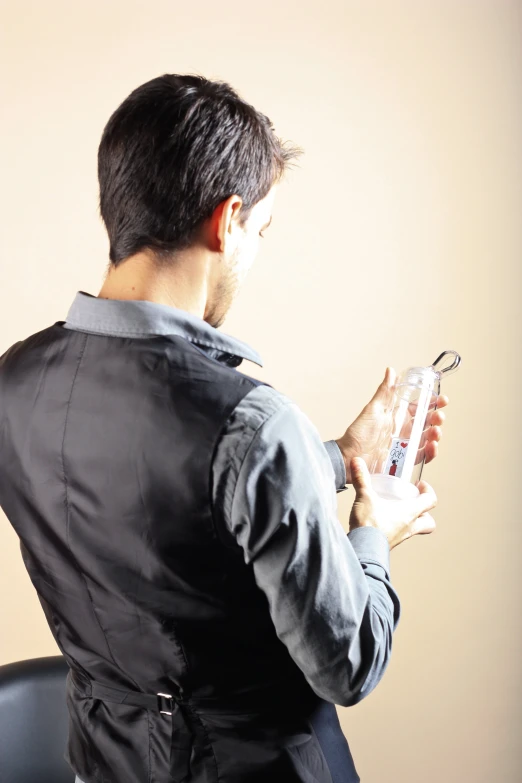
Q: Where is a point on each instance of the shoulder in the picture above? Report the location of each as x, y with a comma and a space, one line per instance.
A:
267, 436
251, 418
268, 416
257, 406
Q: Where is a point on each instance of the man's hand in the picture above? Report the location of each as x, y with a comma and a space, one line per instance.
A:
362, 437
398, 519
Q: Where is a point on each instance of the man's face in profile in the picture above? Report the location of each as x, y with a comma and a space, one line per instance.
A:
234, 265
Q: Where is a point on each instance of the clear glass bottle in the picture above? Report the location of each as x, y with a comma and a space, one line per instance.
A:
397, 463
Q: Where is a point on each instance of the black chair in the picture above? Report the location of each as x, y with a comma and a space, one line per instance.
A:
34, 721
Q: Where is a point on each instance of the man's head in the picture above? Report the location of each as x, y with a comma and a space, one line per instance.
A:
185, 163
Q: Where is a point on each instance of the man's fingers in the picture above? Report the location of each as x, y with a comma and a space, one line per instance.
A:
433, 411
436, 417
427, 498
433, 433
385, 387
389, 377
433, 436
430, 450
360, 474
423, 524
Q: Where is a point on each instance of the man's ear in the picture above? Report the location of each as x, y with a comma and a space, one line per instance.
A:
223, 223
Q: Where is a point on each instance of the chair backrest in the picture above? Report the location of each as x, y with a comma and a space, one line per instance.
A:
34, 721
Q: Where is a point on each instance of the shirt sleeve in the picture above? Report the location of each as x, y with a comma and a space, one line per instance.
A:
329, 593
337, 460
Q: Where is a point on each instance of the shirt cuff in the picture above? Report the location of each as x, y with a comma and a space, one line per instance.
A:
334, 452
371, 545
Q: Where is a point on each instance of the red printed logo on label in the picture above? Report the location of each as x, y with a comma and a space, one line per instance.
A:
395, 460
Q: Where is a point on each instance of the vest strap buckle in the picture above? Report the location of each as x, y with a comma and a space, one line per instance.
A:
165, 700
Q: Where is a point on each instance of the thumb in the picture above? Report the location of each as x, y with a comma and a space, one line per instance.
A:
390, 376
386, 384
360, 475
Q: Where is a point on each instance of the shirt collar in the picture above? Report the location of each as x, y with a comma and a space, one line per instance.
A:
138, 318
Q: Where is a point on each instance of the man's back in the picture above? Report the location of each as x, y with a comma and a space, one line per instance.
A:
107, 446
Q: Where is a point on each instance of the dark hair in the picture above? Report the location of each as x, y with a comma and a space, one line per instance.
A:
175, 148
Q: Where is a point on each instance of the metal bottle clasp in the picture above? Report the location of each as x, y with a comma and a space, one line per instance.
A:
440, 360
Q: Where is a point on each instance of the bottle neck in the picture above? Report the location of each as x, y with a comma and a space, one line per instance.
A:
422, 377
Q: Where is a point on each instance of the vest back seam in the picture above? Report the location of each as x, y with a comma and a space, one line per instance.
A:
67, 508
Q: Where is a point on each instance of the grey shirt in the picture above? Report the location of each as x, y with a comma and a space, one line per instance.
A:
274, 487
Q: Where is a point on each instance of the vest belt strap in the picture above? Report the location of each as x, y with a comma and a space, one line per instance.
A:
183, 734
160, 702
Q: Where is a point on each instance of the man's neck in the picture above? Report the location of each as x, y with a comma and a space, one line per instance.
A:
138, 277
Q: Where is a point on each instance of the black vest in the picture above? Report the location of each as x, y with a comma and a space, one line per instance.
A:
106, 447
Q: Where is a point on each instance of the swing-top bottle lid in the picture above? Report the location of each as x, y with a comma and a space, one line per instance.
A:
426, 377
441, 365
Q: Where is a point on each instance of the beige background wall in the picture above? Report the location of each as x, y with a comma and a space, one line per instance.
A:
397, 237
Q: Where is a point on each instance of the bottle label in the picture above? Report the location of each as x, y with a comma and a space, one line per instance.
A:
396, 457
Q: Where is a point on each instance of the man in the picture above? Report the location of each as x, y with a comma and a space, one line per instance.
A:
178, 517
